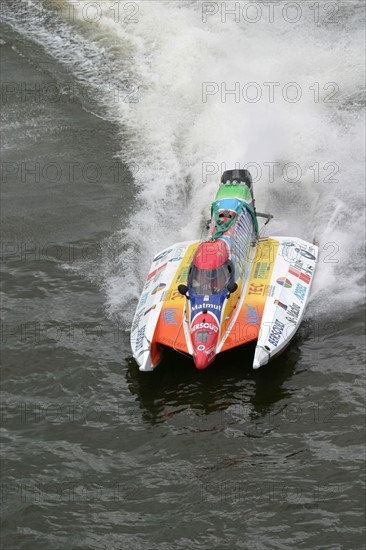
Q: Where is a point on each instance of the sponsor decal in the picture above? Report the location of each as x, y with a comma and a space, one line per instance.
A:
206, 306
266, 252
156, 279
270, 290
284, 282
156, 271
174, 295
200, 326
304, 253
162, 255
158, 288
177, 255
150, 309
140, 338
261, 290
143, 300
183, 275
293, 313
136, 321
300, 292
307, 254
146, 285
201, 347
169, 316
206, 298
177, 259
302, 276
261, 270
252, 315
276, 332
280, 304
256, 289
167, 340
309, 269
211, 352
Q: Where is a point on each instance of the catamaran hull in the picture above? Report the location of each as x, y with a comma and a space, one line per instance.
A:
268, 305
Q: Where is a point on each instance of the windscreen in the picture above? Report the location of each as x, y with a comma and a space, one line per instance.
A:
209, 281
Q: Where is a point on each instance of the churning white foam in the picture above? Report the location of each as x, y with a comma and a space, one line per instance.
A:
181, 138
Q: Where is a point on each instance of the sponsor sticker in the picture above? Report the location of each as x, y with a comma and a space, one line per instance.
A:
260, 290
280, 304
210, 326
169, 316
270, 290
177, 259
256, 289
252, 315
174, 295
307, 254
303, 252
143, 300
266, 251
156, 271
302, 276
300, 292
162, 255
177, 255
293, 313
158, 288
284, 282
261, 270
206, 306
309, 269
150, 309
183, 275
136, 321
276, 332
140, 338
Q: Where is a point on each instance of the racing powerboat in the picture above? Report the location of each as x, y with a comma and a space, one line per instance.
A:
205, 297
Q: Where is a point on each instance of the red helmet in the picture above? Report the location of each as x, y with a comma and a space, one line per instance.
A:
211, 254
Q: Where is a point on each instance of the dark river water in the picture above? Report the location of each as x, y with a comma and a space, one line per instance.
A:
106, 141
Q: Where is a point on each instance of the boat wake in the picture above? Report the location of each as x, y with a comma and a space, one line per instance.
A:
193, 96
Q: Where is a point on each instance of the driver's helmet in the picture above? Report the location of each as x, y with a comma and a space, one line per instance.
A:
211, 254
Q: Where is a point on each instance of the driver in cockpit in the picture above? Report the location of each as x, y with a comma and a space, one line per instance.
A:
212, 282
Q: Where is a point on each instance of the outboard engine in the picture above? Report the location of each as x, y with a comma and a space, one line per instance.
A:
236, 177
